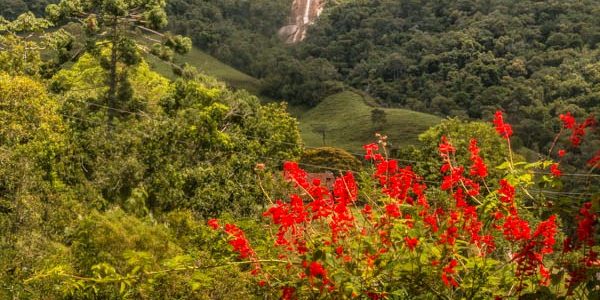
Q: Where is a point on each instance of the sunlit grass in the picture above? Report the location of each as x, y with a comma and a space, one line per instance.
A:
346, 118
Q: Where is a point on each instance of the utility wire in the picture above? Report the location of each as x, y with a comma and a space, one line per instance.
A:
310, 147
318, 166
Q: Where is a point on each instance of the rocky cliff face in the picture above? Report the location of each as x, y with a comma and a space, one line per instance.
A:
304, 13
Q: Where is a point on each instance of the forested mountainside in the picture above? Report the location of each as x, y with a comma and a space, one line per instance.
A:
533, 59
121, 180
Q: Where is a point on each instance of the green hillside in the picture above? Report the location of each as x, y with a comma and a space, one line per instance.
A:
210, 66
346, 119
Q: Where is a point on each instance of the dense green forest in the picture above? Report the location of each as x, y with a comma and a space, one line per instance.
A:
468, 58
533, 59
120, 181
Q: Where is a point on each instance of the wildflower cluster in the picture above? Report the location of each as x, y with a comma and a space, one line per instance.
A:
577, 129
577, 132
341, 243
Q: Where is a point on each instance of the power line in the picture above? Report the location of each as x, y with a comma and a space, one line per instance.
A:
293, 144
330, 168
310, 147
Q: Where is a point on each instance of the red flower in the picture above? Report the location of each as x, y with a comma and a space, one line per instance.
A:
545, 273
585, 225
238, 241
316, 270
507, 192
577, 130
516, 229
546, 230
562, 152
445, 148
531, 255
367, 210
503, 129
213, 223
411, 243
448, 270
568, 120
478, 168
293, 173
449, 280
555, 170
392, 210
370, 150
288, 293
594, 162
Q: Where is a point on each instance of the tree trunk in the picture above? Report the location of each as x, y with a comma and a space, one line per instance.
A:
112, 79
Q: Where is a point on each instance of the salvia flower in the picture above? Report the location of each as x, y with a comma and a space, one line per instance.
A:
568, 120
213, 223
503, 129
555, 171
478, 168
411, 243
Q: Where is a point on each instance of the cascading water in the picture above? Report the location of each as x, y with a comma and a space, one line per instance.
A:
303, 14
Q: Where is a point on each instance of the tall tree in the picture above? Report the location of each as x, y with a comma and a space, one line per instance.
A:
114, 29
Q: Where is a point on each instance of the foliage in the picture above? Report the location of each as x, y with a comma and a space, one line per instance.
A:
343, 112
83, 197
35, 205
398, 237
466, 58
329, 159
91, 209
22, 40
424, 159
111, 24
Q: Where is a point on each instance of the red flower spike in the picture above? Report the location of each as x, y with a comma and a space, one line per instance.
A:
568, 120
213, 223
411, 243
516, 229
503, 129
585, 224
316, 270
294, 173
449, 281
371, 154
287, 293
577, 130
238, 241
478, 168
392, 210
445, 148
594, 162
545, 274
507, 192
555, 171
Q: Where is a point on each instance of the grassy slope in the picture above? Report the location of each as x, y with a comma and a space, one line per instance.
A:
347, 115
347, 119
210, 66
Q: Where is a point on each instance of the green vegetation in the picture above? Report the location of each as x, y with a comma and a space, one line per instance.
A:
112, 174
102, 173
334, 160
210, 66
345, 119
533, 59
